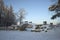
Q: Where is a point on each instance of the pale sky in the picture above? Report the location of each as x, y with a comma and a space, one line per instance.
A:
37, 10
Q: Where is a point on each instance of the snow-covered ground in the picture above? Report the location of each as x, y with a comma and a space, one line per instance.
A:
53, 34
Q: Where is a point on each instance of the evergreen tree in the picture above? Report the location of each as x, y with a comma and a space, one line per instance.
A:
56, 8
7, 16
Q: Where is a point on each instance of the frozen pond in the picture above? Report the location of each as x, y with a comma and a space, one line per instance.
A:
27, 35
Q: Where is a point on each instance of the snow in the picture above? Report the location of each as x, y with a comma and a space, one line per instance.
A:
33, 28
53, 34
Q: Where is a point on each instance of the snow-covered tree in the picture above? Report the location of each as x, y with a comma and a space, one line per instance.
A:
56, 8
7, 16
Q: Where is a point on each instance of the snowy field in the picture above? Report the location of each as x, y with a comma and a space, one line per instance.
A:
27, 35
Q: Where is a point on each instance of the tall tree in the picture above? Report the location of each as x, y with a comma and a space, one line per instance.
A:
22, 15
7, 16
1, 12
10, 17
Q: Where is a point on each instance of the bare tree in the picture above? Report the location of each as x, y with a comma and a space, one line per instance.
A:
22, 13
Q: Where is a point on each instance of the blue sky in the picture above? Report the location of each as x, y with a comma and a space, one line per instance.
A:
37, 10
